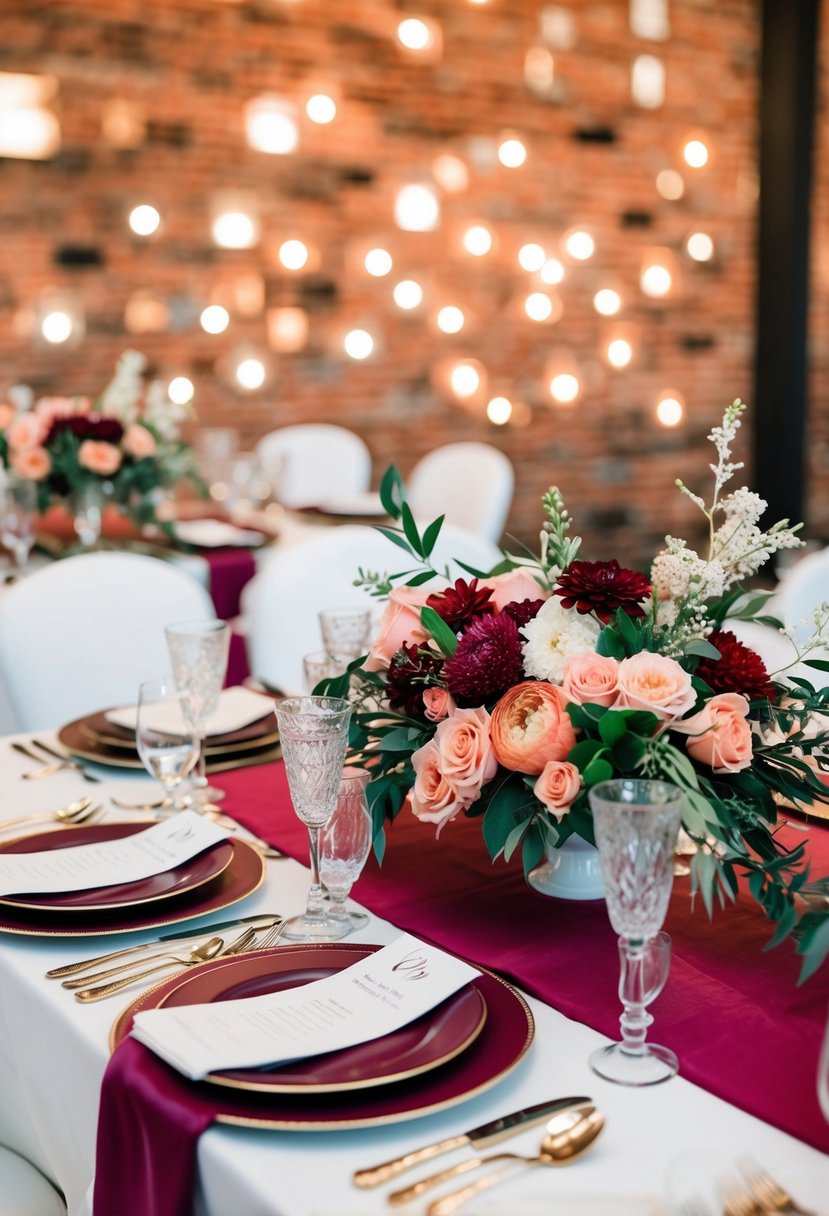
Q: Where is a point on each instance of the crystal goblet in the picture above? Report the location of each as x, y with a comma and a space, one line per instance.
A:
313, 732
320, 665
18, 513
198, 652
165, 737
345, 631
345, 844
636, 823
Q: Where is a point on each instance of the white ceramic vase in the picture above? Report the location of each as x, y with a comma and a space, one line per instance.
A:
569, 872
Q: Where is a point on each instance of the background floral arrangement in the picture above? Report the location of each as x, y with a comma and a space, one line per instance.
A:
127, 441
508, 695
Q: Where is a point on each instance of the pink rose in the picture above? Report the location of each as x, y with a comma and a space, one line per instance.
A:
557, 786
530, 725
50, 408
654, 682
466, 757
101, 458
25, 431
590, 678
438, 703
6, 415
33, 464
138, 441
720, 735
434, 798
513, 587
400, 623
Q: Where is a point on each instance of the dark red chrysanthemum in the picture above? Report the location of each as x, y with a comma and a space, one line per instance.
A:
462, 603
487, 661
87, 426
738, 669
602, 587
523, 611
411, 670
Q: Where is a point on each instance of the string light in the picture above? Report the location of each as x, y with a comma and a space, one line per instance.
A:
580, 245
293, 254
450, 319
670, 409
552, 272
408, 294
235, 230
700, 247
358, 344
465, 378
416, 209
180, 390
619, 352
670, 185
512, 153
321, 109
565, 388
607, 302
656, 280
450, 173
531, 256
538, 306
477, 240
499, 410
250, 373
56, 327
378, 262
287, 328
214, 319
415, 35
695, 154
144, 220
270, 126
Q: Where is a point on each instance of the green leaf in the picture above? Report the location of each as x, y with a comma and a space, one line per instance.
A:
532, 849
597, 770
628, 751
612, 728
410, 528
431, 534
583, 752
398, 740
510, 806
610, 645
417, 580
630, 635
392, 492
818, 664
785, 924
514, 839
814, 948
397, 539
699, 646
439, 630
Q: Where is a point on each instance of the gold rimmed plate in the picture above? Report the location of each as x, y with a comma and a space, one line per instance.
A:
500, 1046
427, 1043
187, 877
75, 741
243, 875
100, 732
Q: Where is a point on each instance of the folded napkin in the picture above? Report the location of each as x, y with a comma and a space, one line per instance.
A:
216, 533
368, 504
238, 707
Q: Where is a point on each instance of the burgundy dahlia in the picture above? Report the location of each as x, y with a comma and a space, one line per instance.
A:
87, 426
523, 611
411, 670
460, 604
602, 587
487, 661
738, 669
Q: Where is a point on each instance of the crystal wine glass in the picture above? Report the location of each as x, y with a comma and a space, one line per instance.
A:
319, 665
165, 737
636, 823
313, 732
345, 844
345, 631
18, 513
198, 652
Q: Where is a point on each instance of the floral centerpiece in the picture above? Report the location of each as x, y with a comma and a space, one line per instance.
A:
507, 695
125, 443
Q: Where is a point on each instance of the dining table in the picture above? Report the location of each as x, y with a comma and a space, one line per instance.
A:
747, 1035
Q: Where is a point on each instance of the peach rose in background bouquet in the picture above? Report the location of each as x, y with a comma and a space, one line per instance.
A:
506, 695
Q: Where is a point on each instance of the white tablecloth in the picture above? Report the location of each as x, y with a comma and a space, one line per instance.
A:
53, 1052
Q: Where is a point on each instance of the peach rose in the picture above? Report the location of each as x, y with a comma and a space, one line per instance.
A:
590, 678
138, 441
6, 415
33, 464
400, 623
654, 682
557, 786
513, 587
50, 408
466, 757
530, 726
25, 431
101, 458
438, 703
434, 799
720, 735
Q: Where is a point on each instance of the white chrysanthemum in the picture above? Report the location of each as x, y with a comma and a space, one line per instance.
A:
552, 636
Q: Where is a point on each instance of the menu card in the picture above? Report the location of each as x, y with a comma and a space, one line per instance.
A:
80, 867
367, 1000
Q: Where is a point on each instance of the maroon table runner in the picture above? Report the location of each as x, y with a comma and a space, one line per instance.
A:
230, 571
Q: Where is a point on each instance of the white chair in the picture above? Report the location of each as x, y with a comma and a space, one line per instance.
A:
801, 590
470, 483
23, 1189
83, 633
311, 463
282, 601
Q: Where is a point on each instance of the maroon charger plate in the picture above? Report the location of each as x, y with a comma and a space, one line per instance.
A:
98, 729
430, 1041
187, 877
235, 756
243, 875
502, 1043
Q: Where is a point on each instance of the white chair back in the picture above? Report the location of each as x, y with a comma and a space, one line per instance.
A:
81, 634
284, 598
801, 590
23, 1189
470, 483
311, 463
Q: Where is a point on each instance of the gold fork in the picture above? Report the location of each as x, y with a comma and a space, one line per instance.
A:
736, 1200
202, 954
766, 1190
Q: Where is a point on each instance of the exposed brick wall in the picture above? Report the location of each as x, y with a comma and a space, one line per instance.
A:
817, 451
188, 66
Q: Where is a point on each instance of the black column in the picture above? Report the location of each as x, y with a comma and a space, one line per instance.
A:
787, 105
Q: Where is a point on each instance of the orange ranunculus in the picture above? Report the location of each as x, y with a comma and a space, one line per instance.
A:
99, 457
400, 623
557, 786
513, 587
33, 464
138, 441
590, 678
434, 798
654, 682
720, 734
530, 726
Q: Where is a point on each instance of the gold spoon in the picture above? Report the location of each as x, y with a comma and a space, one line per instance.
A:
201, 954
559, 1147
75, 812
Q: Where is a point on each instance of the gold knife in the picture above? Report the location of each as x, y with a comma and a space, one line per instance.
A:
478, 1137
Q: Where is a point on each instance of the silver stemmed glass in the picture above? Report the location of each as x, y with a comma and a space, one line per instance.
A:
166, 738
18, 513
636, 823
313, 733
198, 652
345, 843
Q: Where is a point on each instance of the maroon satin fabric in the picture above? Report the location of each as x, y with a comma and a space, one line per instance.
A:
741, 1027
230, 571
